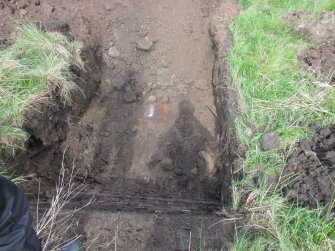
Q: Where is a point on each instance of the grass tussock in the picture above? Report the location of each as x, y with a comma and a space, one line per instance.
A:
35, 66
277, 96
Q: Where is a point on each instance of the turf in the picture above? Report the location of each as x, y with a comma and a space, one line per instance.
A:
276, 96
32, 69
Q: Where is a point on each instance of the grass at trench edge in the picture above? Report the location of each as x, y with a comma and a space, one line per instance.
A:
276, 96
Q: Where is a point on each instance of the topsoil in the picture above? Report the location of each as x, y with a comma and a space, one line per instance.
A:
310, 172
310, 169
153, 133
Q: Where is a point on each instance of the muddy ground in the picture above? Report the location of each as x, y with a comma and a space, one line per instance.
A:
151, 133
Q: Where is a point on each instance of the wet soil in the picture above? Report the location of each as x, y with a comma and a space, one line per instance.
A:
154, 142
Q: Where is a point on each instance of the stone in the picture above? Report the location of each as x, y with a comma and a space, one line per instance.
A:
166, 164
145, 44
114, 53
291, 194
194, 171
205, 161
179, 171
129, 95
2, 6
37, 2
202, 85
165, 100
165, 64
106, 133
143, 30
22, 13
269, 141
152, 99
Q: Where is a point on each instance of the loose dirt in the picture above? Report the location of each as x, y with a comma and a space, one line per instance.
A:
310, 169
146, 135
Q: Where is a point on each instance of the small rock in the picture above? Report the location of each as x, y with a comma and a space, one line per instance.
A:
201, 85
166, 164
113, 52
249, 132
105, 133
205, 161
330, 155
2, 6
108, 82
152, 99
179, 171
37, 2
194, 171
269, 141
145, 44
165, 100
165, 64
291, 194
263, 179
129, 95
136, 128
23, 13
143, 31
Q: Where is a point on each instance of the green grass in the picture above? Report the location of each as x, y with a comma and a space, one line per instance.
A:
35, 67
277, 96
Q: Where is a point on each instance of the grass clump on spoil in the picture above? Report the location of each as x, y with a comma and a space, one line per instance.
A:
36, 65
276, 96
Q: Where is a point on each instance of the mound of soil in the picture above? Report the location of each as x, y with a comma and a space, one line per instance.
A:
310, 169
321, 60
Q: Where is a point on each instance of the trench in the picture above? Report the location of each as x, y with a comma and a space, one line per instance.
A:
155, 142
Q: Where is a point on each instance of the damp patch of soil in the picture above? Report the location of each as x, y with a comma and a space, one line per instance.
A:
310, 169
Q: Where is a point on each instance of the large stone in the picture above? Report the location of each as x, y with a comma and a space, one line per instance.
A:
269, 141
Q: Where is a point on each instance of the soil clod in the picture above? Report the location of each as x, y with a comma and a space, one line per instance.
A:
269, 141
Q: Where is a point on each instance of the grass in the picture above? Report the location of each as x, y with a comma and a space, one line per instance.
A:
35, 67
276, 96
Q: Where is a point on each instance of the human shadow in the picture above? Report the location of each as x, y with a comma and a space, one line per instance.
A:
187, 154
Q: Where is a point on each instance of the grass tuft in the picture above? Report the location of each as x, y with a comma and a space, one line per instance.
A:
33, 68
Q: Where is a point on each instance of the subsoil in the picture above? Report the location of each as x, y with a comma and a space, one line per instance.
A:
152, 130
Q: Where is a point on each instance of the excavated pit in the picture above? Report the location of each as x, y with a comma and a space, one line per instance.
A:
154, 137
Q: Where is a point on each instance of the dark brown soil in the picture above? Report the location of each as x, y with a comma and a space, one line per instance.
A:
310, 170
320, 60
154, 143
